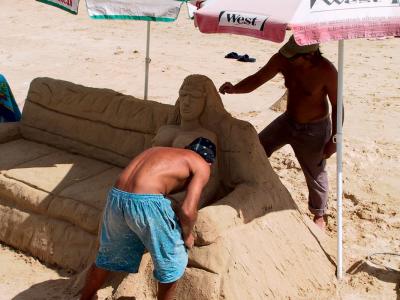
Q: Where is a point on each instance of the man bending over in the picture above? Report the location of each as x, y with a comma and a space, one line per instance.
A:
139, 216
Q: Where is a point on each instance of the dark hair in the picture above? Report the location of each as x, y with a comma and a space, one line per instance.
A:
205, 148
314, 57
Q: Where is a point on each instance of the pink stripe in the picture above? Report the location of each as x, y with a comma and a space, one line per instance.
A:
272, 31
334, 31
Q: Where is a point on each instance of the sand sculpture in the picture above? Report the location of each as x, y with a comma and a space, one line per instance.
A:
192, 110
280, 104
251, 242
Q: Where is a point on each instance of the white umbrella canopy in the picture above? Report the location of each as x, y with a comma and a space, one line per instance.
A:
143, 10
311, 21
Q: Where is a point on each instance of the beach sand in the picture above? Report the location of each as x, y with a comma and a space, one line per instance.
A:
41, 41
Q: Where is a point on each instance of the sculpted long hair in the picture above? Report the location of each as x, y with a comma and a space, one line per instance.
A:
237, 139
213, 111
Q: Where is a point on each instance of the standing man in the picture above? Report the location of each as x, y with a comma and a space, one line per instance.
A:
138, 216
306, 126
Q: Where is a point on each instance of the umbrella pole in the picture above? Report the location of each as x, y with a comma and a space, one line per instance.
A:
146, 78
339, 150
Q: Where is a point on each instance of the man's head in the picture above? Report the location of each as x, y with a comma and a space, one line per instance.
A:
291, 49
205, 148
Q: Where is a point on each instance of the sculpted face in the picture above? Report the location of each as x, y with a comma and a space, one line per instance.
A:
192, 101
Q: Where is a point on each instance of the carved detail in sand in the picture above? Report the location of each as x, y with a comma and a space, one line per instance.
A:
253, 230
281, 104
194, 109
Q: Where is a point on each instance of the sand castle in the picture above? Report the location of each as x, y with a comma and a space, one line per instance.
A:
251, 242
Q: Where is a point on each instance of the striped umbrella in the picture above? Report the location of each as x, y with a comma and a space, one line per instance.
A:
311, 21
143, 10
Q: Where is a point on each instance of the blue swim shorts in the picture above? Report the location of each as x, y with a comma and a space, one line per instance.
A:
135, 222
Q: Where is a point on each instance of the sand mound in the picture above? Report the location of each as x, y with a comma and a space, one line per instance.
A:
280, 104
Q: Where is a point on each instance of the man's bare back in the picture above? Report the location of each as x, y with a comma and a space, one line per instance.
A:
165, 170
138, 216
160, 170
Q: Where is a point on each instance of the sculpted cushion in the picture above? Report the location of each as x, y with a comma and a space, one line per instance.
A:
20, 151
58, 163
98, 123
56, 171
52, 200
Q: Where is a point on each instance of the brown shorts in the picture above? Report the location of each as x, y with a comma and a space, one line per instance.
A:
308, 142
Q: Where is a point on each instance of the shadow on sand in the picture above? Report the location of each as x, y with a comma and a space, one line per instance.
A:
390, 276
65, 289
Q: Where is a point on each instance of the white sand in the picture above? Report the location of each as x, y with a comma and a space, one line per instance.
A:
39, 40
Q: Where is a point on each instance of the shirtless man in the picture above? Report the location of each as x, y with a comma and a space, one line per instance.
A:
138, 215
306, 126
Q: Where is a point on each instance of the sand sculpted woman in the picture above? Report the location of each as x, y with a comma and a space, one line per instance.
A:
193, 116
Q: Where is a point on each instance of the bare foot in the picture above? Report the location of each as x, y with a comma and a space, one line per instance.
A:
320, 222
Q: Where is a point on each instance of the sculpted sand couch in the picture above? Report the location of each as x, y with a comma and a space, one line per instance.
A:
58, 163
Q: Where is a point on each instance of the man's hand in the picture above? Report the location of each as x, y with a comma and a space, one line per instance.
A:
189, 240
228, 88
187, 220
330, 148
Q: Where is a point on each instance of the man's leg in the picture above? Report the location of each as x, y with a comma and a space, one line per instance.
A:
317, 183
275, 135
308, 147
162, 237
166, 291
94, 280
120, 249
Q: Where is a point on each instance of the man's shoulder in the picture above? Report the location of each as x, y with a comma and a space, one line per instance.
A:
328, 66
326, 71
196, 163
278, 58
279, 62
165, 152
172, 156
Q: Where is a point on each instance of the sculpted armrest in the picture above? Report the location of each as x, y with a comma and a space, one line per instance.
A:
242, 205
9, 132
245, 203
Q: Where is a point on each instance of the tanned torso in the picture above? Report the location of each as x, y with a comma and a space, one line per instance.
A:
307, 93
159, 170
309, 85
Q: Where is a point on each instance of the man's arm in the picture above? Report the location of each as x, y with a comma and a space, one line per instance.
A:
252, 82
331, 88
188, 211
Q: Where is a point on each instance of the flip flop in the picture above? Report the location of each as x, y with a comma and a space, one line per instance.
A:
233, 55
246, 58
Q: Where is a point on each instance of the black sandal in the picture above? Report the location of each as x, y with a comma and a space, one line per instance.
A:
233, 55
246, 58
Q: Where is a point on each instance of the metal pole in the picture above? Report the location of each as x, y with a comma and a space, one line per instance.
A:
146, 78
339, 150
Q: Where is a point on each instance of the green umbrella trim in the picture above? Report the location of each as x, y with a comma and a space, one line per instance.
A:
140, 18
127, 17
59, 6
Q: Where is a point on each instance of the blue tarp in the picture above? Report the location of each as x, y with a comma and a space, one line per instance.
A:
9, 111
